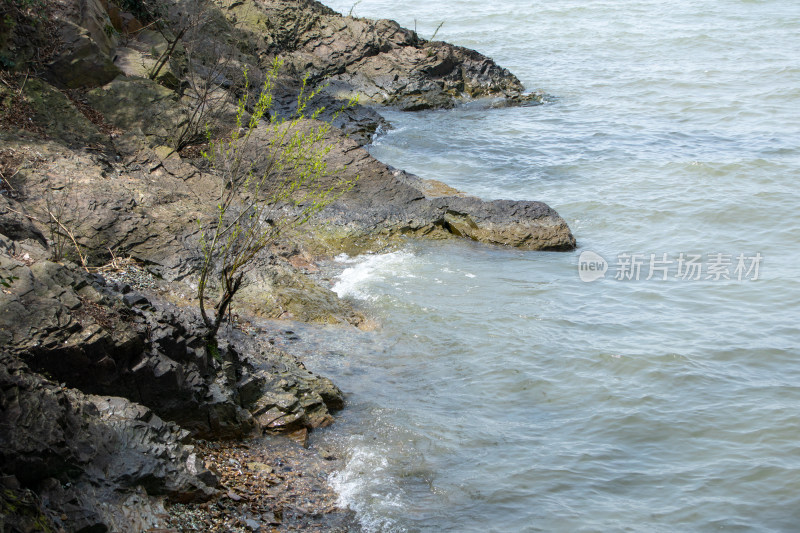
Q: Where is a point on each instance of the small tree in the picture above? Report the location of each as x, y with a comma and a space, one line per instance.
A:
257, 205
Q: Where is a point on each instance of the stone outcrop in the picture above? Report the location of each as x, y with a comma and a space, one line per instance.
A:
147, 206
85, 59
91, 460
100, 340
103, 444
387, 201
377, 59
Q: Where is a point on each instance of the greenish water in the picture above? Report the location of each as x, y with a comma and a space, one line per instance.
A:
502, 393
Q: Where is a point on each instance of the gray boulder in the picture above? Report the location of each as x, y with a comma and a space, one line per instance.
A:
92, 460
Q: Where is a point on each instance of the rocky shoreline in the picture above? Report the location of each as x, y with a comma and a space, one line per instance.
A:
273, 484
113, 416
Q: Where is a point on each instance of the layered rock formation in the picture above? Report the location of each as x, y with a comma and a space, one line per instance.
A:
91, 439
380, 61
86, 462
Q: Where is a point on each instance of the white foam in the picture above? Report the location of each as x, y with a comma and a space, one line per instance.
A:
344, 258
360, 487
355, 281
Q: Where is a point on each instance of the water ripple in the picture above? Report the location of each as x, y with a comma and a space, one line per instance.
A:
519, 398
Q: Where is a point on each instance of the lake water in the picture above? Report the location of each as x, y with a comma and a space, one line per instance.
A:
502, 392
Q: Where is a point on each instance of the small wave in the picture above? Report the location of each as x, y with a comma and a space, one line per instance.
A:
356, 483
354, 281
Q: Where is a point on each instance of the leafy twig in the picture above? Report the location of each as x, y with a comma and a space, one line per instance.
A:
257, 206
437, 30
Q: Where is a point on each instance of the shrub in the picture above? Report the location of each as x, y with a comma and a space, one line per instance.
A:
256, 206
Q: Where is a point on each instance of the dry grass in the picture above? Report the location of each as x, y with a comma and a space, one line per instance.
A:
117, 264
